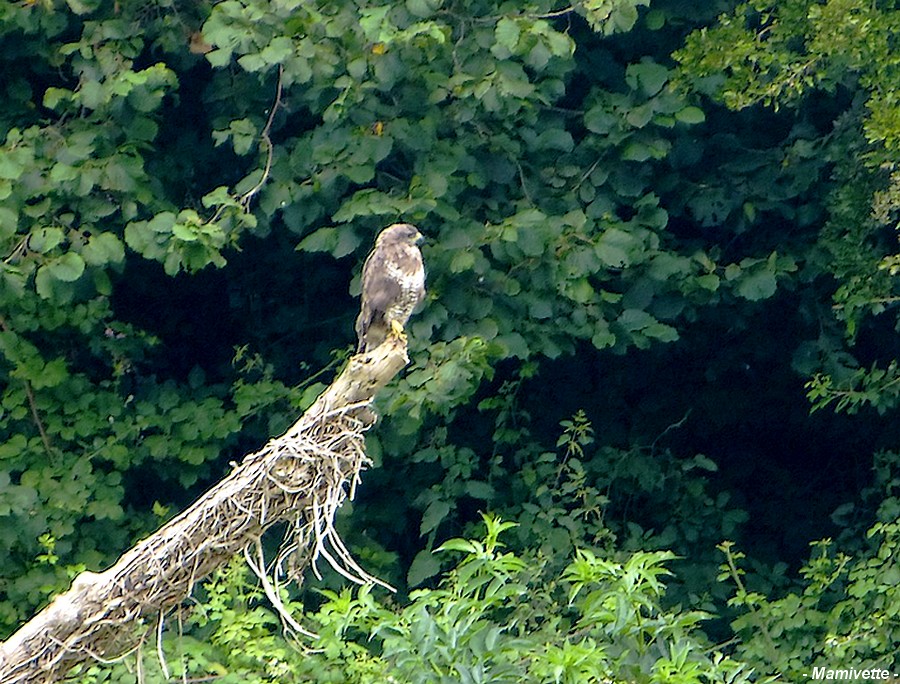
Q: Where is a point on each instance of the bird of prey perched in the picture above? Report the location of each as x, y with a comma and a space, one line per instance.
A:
393, 283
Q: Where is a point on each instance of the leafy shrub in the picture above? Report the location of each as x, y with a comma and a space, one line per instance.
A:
847, 612
495, 617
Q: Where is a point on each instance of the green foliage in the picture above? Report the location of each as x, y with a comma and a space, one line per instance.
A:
780, 53
777, 52
845, 613
610, 16
876, 387
186, 190
601, 620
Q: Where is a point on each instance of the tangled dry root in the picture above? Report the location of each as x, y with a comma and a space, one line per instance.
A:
300, 478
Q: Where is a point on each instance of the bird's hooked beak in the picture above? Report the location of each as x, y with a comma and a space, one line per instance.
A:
419, 238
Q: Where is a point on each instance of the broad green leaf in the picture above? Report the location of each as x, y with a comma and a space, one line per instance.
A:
560, 44
278, 50
434, 515
322, 240
357, 68
185, 232
143, 128
649, 77
10, 167
92, 94
625, 16
252, 62
479, 490
538, 56
655, 19
732, 271
540, 308
661, 332
103, 248
462, 260
102, 282
52, 374
602, 336
162, 222
371, 21
45, 239
220, 57
756, 286
243, 135
710, 282
347, 242
507, 33
555, 139
639, 116
463, 545
422, 8
598, 119
60, 173
614, 248
424, 566
581, 291
360, 174
53, 96
531, 241
43, 282
8, 223
637, 151
82, 6
67, 267
690, 115
635, 319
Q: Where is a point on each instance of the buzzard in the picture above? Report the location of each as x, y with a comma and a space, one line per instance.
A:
393, 283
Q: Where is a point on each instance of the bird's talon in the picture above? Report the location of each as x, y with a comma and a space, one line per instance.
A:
397, 331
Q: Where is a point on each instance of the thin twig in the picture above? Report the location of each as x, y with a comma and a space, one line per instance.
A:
267, 141
587, 173
32, 404
159, 644
557, 13
522, 181
264, 136
258, 566
18, 250
670, 428
876, 300
37, 418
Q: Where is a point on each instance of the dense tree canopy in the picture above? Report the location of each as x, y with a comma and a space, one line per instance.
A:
659, 235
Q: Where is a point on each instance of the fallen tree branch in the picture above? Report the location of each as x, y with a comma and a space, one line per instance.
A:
300, 478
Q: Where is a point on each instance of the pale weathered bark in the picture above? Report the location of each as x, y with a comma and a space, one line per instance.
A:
299, 478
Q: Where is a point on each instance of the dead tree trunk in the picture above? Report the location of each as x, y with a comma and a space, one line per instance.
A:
299, 478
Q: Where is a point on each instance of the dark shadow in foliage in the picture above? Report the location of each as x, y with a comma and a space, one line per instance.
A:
790, 470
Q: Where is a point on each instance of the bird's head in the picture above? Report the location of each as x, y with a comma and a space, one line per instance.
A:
400, 232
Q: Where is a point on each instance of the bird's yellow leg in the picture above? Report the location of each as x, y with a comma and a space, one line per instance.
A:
397, 331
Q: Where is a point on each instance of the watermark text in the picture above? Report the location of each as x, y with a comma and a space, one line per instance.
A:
849, 674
